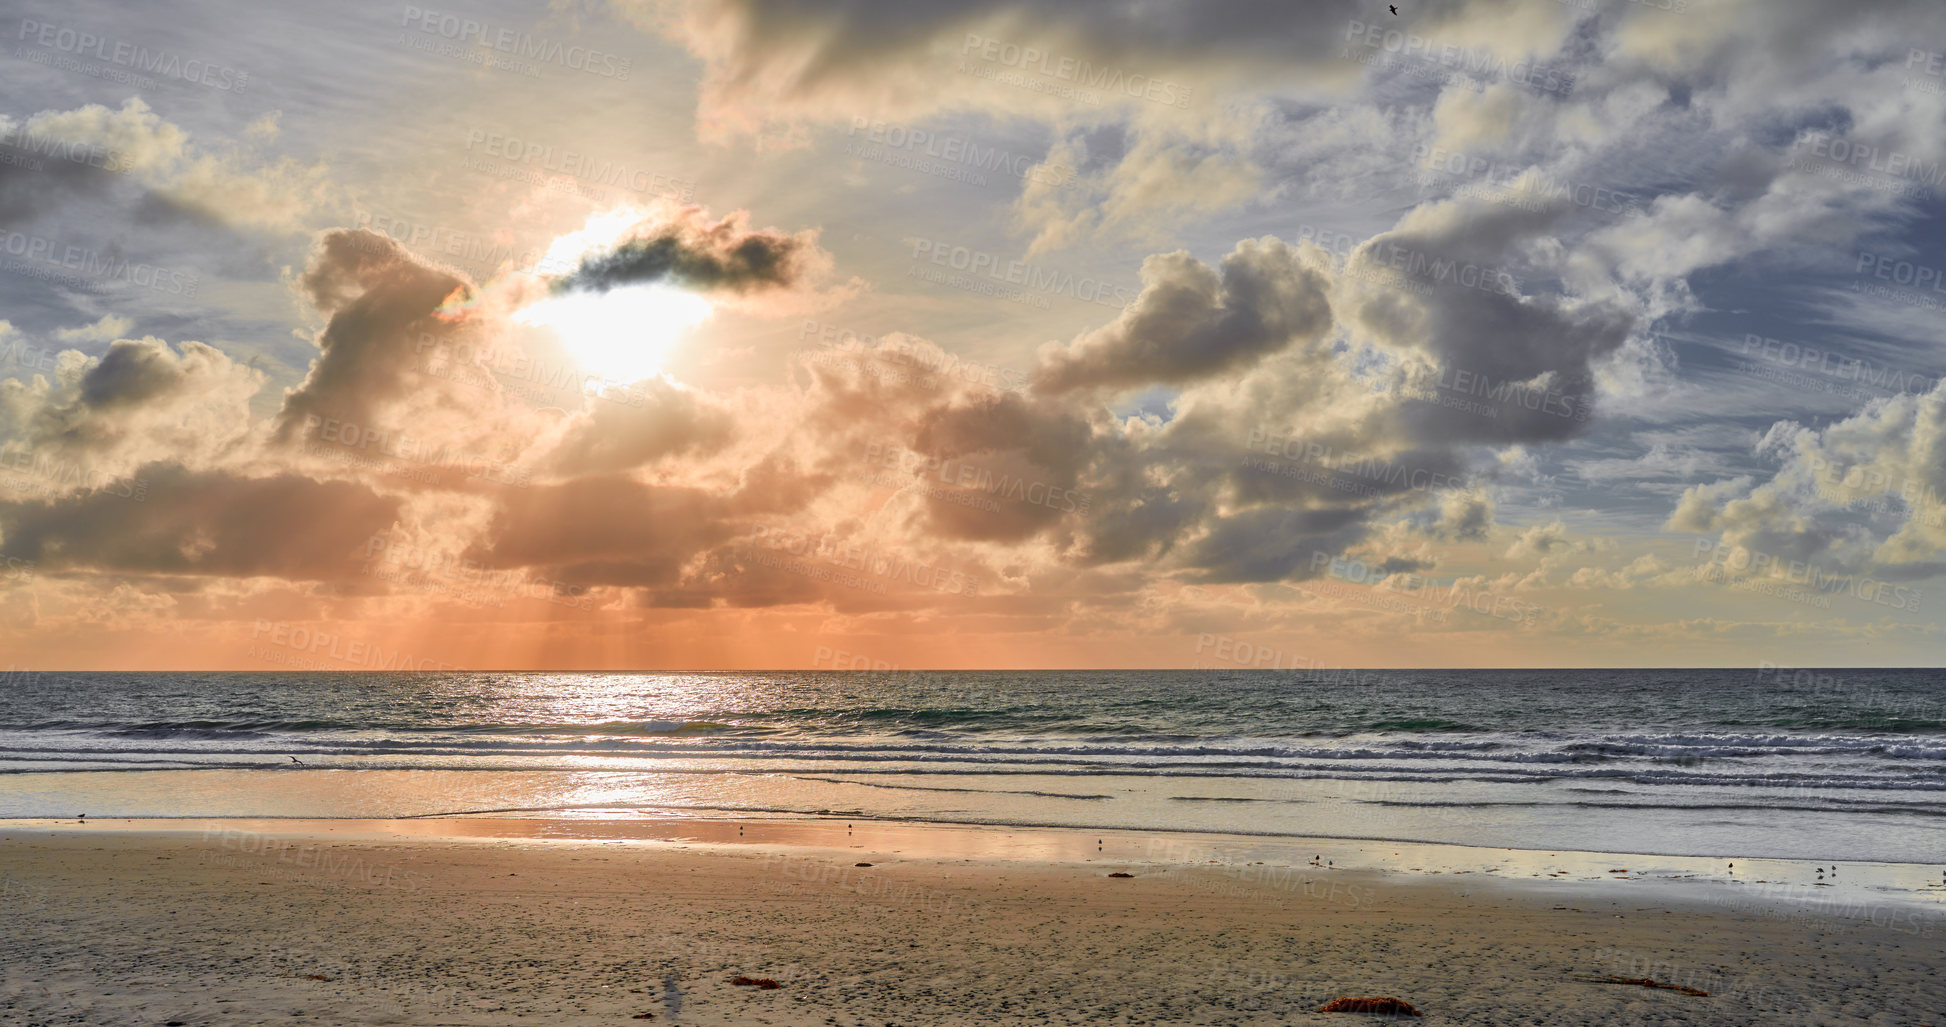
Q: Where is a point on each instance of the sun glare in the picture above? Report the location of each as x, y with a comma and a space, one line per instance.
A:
624, 334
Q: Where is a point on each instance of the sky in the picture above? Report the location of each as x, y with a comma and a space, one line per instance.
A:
755, 334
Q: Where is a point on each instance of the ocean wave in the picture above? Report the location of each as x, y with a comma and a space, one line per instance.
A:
936, 788
711, 740
1799, 781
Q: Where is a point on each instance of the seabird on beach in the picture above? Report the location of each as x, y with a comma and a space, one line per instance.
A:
297, 761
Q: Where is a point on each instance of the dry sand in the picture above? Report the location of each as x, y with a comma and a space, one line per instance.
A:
341, 926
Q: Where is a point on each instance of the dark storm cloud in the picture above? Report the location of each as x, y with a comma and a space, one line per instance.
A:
690, 251
752, 263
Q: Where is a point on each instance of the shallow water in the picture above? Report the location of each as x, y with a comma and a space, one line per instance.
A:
1840, 765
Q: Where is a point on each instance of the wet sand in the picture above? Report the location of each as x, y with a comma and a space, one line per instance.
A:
494, 922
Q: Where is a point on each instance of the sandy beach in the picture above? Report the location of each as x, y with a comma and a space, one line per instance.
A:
407, 923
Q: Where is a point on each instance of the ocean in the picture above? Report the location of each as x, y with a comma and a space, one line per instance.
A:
1832, 764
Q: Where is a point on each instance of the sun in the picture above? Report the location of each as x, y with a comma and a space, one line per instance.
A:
624, 334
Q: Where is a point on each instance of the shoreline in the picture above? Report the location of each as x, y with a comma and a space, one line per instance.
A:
473, 921
1674, 822
1898, 896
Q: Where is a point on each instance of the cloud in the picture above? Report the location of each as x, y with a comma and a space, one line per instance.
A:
685, 248
99, 147
203, 523
1441, 292
140, 402
655, 422
1541, 541
384, 332
1890, 454
1272, 544
771, 63
1464, 516
1474, 342
604, 530
110, 326
1190, 323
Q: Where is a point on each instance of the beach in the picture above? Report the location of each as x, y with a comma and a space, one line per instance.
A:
455, 921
